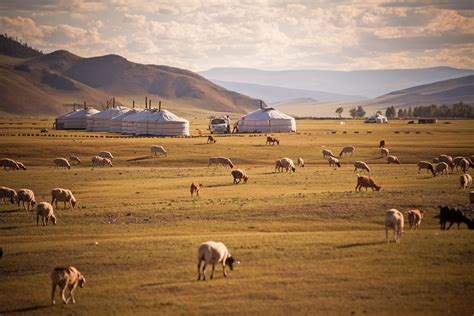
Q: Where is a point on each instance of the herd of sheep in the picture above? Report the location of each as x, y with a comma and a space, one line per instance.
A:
212, 253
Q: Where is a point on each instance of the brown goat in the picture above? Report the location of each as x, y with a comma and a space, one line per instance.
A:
195, 187
366, 182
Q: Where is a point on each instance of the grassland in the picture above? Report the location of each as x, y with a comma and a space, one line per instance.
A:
307, 242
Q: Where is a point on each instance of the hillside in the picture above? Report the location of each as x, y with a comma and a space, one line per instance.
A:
367, 83
12, 48
41, 85
278, 94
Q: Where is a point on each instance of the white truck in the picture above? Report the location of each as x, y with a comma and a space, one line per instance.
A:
219, 124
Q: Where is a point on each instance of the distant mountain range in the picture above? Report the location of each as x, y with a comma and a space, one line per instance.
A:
365, 83
43, 84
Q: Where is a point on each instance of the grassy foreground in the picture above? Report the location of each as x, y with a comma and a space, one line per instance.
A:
308, 244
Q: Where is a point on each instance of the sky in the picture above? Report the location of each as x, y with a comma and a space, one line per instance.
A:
264, 34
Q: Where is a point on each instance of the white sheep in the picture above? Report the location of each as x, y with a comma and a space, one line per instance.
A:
442, 168
347, 150
20, 165
101, 162
384, 152
158, 150
8, 195
465, 180
220, 161
394, 220
300, 162
106, 154
28, 196
426, 165
9, 164
334, 162
327, 153
75, 160
45, 210
465, 164
393, 159
446, 159
239, 174
361, 165
61, 163
212, 252
63, 195
287, 164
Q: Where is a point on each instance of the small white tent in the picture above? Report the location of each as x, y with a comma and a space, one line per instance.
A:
117, 123
160, 122
100, 122
266, 120
78, 119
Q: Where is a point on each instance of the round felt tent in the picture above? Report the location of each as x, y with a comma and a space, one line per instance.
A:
161, 123
266, 120
59, 121
78, 119
129, 123
100, 122
117, 123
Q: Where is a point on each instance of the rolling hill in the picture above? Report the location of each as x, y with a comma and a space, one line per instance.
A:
43, 84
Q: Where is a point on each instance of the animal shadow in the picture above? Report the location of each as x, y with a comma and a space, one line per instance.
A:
24, 309
140, 158
360, 244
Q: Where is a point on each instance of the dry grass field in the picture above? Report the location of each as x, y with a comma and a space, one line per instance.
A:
308, 244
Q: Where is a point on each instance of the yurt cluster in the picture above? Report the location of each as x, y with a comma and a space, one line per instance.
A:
160, 122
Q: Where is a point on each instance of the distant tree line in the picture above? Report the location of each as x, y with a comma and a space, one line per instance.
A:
461, 109
15, 47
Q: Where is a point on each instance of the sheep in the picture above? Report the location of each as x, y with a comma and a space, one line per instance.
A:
435, 160
393, 159
211, 139
300, 162
457, 160
278, 165
61, 163
44, 130
7, 194
394, 220
414, 218
366, 182
220, 161
45, 210
238, 174
446, 159
99, 161
63, 195
212, 252
75, 160
347, 150
195, 187
384, 151
9, 164
272, 140
442, 168
465, 180
452, 215
465, 164
334, 162
426, 165
361, 165
69, 278
382, 144
287, 164
327, 153
28, 196
106, 154
21, 165
158, 150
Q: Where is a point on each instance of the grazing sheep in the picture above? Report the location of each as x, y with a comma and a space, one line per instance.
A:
44, 130
61, 163
394, 220
361, 165
446, 159
63, 195
9, 164
106, 154
426, 165
347, 150
7, 194
452, 215
334, 162
414, 218
75, 160
158, 150
457, 160
287, 164
382, 144
211, 139
101, 162
278, 165
435, 160
384, 151
28, 196
328, 153
220, 161
45, 210
393, 159
239, 175
366, 182
212, 252
442, 168
69, 278
465, 164
21, 165
195, 187
272, 140
465, 180
300, 162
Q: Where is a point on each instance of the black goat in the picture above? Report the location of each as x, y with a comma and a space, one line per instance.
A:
452, 215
